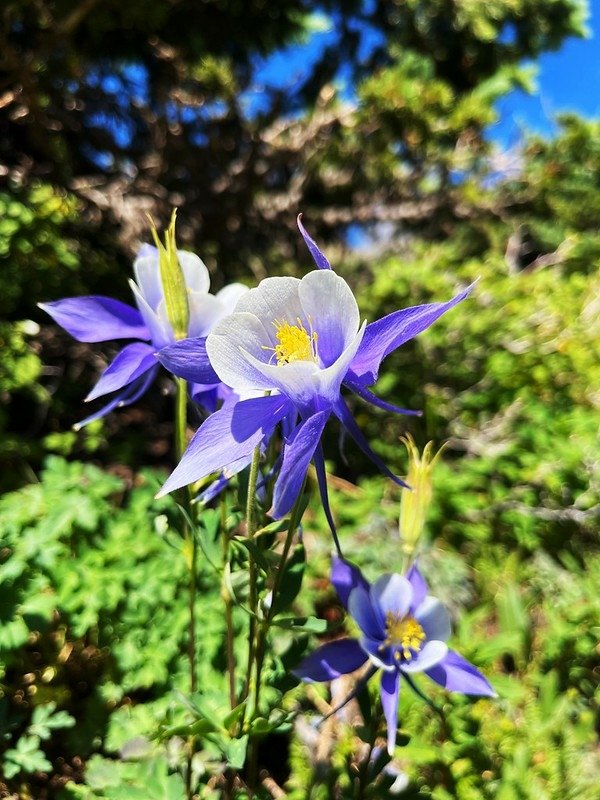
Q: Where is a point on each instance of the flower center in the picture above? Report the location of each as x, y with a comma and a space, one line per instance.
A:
405, 633
295, 343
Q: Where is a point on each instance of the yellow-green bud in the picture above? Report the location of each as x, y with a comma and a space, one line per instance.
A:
173, 281
414, 502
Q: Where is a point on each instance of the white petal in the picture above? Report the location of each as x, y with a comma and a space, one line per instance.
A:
147, 274
161, 334
434, 619
230, 294
195, 272
330, 379
370, 648
391, 593
331, 310
273, 299
224, 347
297, 381
205, 311
430, 655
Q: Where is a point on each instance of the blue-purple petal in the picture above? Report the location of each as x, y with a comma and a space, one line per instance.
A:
457, 674
319, 462
352, 382
380, 654
129, 364
419, 587
129, 395
227, 436
345, 417
318, 256
360, 608
296, 458
188, 359
390, 694
345, 577
214, 489
390, 332
331, 660
95, 318
206, 397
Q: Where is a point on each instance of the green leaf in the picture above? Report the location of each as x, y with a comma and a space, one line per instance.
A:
291, 581
235, 752
234, 715
25, 757
44, 720
303, 624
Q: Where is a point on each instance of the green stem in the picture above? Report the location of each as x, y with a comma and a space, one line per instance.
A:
228, 608
191, 548
292, 527
263, 630
253, 588
191, 554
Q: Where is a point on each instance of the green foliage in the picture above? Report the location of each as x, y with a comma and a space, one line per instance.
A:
509, 377
26, 756
83, 568
33, 245
110, 780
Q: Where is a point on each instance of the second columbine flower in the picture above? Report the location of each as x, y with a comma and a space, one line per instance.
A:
403, 631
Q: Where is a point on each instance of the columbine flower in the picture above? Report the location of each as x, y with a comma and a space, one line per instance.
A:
297, 341
99, 319
403, 631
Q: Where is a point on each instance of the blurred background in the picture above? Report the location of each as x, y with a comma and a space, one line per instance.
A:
427, 143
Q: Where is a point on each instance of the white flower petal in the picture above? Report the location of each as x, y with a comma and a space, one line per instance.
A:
230, 294
147, 274
331, 309
161, 334
273, 299
391, 593
296, 380
370, 646
430, 655
251, 333
237, 332
434, 619
194, 271
330, 379
205, 311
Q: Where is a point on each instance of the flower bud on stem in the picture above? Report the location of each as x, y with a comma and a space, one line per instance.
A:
415, 502
173, 280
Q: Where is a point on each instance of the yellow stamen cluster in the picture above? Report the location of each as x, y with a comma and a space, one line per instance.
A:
295, 343
404, 633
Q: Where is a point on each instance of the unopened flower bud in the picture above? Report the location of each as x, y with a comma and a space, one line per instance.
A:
414, 502
173, 281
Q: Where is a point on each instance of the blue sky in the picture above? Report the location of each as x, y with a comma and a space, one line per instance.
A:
568, 80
